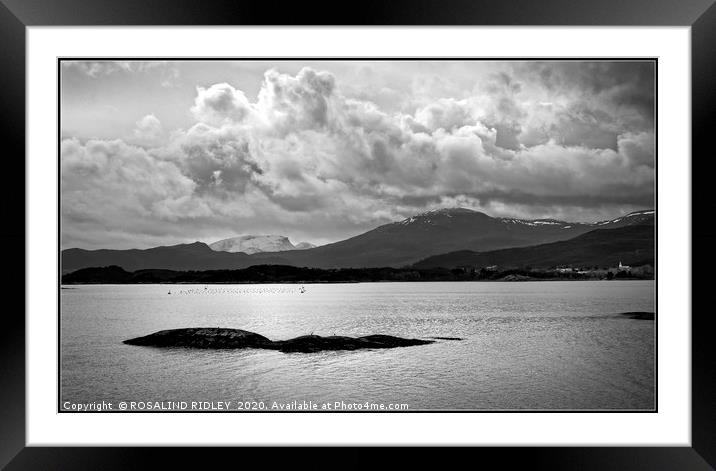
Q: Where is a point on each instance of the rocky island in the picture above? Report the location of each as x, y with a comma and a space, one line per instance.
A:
221, 338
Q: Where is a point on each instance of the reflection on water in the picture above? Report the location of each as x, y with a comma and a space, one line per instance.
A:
527, 345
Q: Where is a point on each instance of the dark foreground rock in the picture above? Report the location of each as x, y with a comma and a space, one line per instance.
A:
642, 315
202, 338
218, 338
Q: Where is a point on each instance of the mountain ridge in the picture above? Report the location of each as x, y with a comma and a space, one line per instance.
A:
401, 243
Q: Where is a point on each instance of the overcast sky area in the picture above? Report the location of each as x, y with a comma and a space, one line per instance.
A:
159, 153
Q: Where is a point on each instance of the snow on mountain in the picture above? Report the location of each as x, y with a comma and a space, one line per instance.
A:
440, 216
537, 222
637, 217
304, 246
430, 217
251, 244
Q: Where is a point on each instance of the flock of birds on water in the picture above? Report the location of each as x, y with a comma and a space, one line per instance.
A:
236, 290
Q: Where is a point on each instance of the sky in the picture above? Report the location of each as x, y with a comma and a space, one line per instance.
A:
166, 152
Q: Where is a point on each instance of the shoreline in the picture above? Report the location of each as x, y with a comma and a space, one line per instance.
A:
68, 285
301, 275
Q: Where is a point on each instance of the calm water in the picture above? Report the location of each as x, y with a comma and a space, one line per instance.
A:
527, 345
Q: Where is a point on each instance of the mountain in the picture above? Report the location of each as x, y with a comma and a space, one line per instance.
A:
441, 231
251, 244
397, 244
629, 244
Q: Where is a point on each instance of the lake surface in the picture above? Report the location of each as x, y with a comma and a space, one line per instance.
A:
527, 345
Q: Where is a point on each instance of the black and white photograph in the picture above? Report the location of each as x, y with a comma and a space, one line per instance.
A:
357, 235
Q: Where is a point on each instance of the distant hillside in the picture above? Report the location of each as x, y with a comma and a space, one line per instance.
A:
632, 245
289, 274
196, 256
397, 244
111, 274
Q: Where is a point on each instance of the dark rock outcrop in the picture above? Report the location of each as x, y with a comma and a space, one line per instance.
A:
641, 315
199, 337
218, 338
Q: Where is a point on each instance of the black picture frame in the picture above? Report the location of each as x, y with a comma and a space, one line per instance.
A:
16, 15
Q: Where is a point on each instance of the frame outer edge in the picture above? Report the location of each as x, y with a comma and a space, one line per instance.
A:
12, 235
703, 103
12, 93
368, 12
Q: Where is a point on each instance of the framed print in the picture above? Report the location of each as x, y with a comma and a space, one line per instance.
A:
437, 227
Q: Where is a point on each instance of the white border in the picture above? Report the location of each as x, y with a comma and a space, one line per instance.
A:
670, 426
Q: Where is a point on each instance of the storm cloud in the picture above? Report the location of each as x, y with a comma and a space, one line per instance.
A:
316, 159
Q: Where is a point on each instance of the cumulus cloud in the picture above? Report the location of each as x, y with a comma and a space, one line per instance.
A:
148, 130
316, 162
296, 103
219, 104
446, 113
108, 186
217, 159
